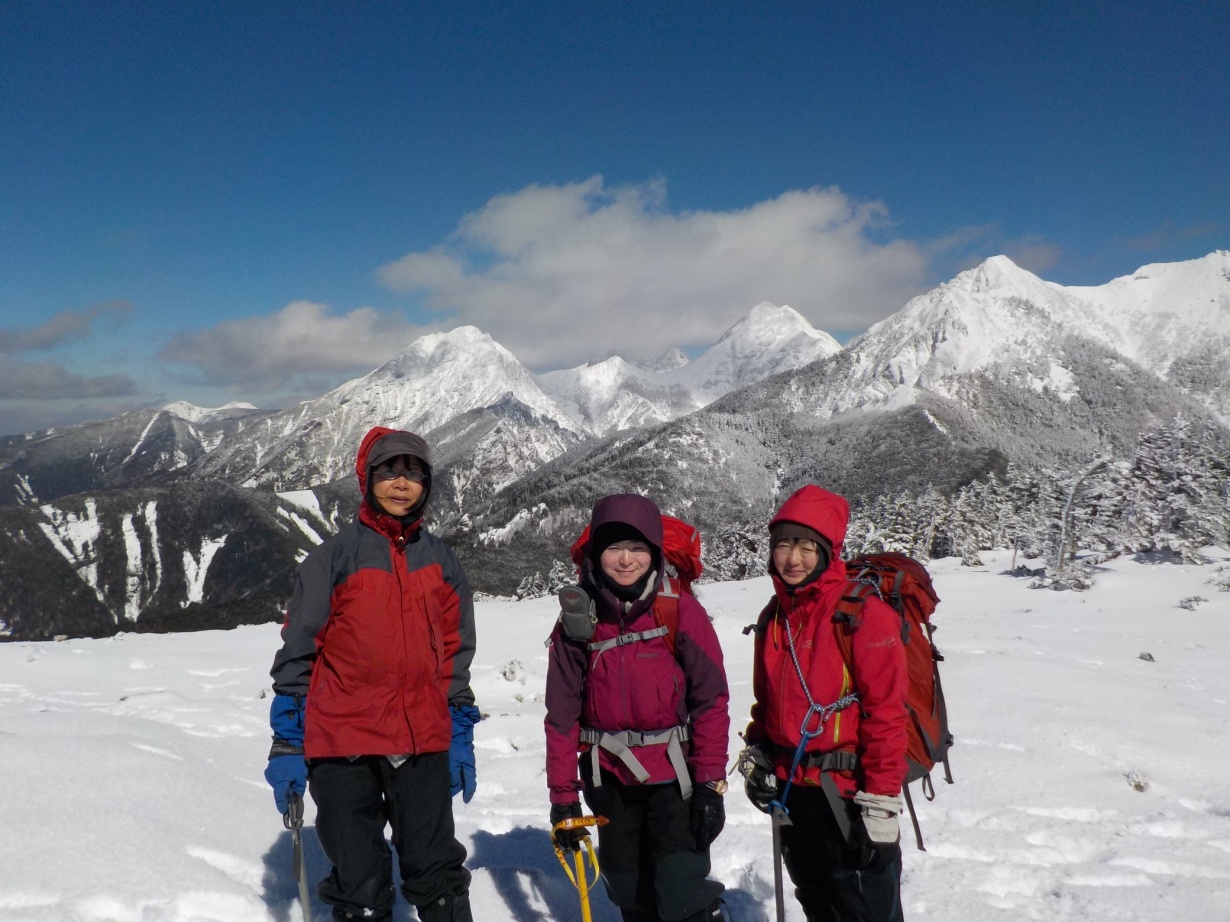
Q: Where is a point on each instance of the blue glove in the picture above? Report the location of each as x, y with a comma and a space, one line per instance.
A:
287, 768
461, 768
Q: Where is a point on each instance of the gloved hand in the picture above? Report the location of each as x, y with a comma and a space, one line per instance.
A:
287, 768
880, 813
708, 815
461, 768
759, 781
567, 839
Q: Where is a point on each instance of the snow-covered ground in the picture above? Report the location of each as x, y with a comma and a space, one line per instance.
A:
1091, 783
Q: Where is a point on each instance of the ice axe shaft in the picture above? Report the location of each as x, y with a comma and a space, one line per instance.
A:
293, 820
584, 849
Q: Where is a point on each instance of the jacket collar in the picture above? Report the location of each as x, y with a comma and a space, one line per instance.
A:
387, 525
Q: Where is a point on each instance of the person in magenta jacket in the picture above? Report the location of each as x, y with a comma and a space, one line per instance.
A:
372, 709
842, 845
652, 723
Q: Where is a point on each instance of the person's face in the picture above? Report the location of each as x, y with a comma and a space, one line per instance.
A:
397, 485
795, 558
625, 562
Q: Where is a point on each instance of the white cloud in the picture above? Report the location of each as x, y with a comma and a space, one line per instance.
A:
563, 274
303, 338
64, 327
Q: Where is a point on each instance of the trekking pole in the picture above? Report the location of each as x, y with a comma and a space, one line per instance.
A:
293, 820
580, 879
780, 819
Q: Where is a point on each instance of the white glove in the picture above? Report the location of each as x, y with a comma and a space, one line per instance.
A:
880, 816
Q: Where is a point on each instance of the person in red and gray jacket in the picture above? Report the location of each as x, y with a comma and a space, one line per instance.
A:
653, 723
372, 708
842, 847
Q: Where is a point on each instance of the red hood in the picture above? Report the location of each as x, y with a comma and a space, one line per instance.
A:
826, 513
375, 434
368, 513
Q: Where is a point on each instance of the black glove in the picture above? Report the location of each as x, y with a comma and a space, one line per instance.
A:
708, 815
568, 839
759, 781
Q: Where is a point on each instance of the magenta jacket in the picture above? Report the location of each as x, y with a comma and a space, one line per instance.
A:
638, 686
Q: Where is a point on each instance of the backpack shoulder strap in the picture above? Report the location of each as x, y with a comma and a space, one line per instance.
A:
849, 615
766, 615
666, 611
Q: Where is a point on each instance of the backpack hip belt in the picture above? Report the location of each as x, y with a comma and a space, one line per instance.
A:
834, 760
618, 744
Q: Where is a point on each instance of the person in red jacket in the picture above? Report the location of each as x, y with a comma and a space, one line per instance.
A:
653, 720
372, 707
827, 739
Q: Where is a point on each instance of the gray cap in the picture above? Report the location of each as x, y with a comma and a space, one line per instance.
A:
399, 443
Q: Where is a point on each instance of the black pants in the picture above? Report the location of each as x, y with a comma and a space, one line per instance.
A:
354, 801
836, 880
650, 864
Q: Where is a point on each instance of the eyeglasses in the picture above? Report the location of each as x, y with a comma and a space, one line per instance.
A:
413, 474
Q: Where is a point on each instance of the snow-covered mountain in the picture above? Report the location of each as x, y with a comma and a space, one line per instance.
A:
438, 378
614, 395
1172, 320
768, 340
480, 452
993, 368
668, 361
141, 446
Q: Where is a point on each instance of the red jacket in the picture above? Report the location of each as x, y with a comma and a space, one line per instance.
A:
379, 636
875, 728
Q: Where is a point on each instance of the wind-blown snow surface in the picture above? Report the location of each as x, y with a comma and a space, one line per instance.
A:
1091, 784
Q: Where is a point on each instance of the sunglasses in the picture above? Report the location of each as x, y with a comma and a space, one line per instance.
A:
413, 474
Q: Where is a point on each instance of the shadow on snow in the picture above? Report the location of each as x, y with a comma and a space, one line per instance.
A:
522, 867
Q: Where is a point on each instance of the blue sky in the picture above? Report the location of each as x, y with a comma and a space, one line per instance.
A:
255, 201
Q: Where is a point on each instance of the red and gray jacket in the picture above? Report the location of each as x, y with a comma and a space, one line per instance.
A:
379, 637
607, 688
871, 734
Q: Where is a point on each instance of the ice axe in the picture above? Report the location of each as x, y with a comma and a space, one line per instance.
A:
580, 878
292, 819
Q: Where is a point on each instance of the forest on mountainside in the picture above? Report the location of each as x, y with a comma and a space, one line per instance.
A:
1171, 498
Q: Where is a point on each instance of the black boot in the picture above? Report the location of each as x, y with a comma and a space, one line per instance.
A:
455, 908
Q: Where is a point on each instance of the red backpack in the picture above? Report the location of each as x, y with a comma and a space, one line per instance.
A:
905, 584
681, 548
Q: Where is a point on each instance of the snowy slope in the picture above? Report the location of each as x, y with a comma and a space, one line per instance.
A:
1159, 312
194, 414
1090, 782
